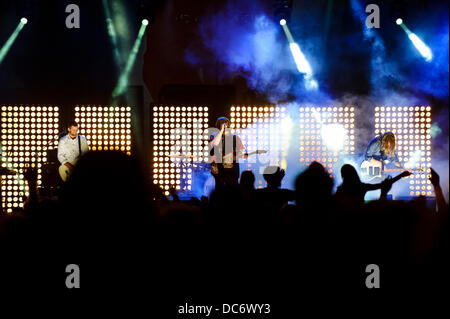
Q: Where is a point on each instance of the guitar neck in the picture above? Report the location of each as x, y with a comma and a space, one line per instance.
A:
252, 153
402, 169
394, 169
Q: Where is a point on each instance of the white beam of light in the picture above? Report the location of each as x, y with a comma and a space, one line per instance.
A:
302, 64
333, 136
423, 49
316, 115
300, 60
286, 125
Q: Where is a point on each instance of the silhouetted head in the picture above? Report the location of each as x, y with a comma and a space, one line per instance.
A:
107, 182
247, 180
349, 174
313, 186
273, 175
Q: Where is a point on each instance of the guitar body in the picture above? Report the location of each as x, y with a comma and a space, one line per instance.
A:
65, 172
375, 170
229, 159
370, 171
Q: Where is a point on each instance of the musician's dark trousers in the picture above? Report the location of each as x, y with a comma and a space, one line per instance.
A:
227, 176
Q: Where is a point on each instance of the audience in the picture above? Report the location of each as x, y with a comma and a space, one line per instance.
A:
352, 191
272, 199
108, 204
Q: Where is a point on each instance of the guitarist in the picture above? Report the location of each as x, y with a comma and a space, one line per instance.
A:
225, 150
71, 146
381, 151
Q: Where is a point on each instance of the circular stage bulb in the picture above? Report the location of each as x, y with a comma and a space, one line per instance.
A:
399, 21
145, 22
24, 20
282, 22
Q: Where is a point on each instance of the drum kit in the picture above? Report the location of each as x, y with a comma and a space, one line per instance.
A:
50, 179
200, 172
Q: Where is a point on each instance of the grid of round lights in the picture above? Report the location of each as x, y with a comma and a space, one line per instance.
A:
411, 126
178, 130
105, 127
26, 133
312, 146
261, 128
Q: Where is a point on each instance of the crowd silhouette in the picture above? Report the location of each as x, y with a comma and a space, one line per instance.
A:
109, 214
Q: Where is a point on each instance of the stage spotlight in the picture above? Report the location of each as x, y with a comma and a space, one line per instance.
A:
7, 46
326, 134
399, 21
122, 84
112, 34
333, 136
282, 22
423, 49
300, 60
145, 22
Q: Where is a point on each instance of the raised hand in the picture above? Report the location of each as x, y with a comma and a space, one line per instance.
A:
406, 173
386, 185
434, 177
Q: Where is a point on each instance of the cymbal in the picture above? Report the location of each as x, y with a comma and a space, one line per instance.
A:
4, 171
180, 156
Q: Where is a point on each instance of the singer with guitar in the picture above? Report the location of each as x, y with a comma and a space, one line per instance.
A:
379, 154
225, 151
70, 149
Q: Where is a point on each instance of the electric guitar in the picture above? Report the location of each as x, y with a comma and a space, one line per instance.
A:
65, 172
374, 170
228, 160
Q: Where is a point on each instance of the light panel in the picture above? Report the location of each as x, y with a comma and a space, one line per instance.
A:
411, 126
264, 127
178, 130
105, 127
321, 128
26, 133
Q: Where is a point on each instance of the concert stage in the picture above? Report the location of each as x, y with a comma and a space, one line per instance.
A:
217, 152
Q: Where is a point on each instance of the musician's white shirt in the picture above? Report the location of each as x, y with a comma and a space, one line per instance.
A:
68, 149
